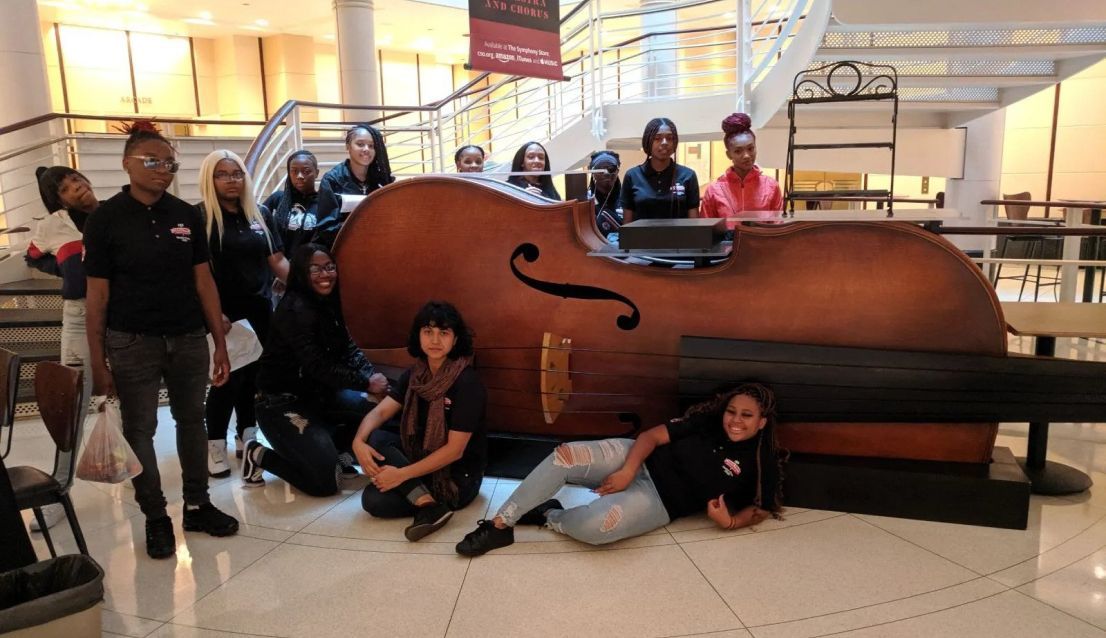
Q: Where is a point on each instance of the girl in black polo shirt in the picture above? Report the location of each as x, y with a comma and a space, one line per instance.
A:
659, 188
721, 457
436, 463
245, 256
531, 157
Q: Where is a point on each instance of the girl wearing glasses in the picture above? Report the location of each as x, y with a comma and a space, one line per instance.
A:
245, 256
604, 190
365, 170
150, 296
295, 205
314, 384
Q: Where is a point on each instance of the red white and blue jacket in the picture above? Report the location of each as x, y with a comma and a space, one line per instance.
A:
57, 248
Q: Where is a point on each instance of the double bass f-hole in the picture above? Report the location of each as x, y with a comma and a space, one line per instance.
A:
530, 253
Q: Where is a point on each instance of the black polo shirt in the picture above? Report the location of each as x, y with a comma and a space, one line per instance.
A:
464, 412
699, 464
148, 253
667, 194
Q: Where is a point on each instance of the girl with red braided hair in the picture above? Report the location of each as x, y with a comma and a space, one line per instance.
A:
743, 189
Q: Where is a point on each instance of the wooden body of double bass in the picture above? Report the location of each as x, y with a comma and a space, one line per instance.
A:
872, 285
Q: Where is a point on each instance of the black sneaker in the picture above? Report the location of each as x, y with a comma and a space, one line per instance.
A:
160, 542
485, 538
252, 474
428, 519
206, 518
537, 516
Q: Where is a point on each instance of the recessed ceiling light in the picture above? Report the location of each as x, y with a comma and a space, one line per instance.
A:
205, 15
261, 22
329, 36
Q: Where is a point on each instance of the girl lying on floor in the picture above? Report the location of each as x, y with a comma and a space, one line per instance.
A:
721, 456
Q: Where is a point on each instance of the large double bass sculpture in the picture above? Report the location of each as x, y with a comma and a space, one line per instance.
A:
518, 268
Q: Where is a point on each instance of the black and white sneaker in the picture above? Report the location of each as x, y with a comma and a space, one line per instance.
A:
251, 471
428, 520
346, 469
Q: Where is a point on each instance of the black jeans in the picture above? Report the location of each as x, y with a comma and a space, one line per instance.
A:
138, 364
308, 434
237, 395
398, 502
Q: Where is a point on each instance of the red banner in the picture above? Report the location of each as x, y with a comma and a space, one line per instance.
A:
516, 37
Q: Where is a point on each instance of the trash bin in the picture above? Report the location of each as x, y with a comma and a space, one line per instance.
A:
52, 598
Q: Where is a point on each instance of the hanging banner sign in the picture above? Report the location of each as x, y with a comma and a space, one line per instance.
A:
517, 37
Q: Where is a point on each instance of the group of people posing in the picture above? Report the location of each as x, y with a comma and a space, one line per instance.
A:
148, 277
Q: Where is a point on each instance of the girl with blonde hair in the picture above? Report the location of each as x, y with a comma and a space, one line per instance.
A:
245, 255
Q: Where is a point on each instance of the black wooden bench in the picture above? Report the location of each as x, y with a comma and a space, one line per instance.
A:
816, 384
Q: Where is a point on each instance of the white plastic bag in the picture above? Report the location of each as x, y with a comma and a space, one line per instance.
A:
243, 346
107, 457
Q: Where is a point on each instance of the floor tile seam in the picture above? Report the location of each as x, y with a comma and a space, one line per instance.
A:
1058, 569
1055, 547
560, 539
925, 549
591, 550
753, 532
104, 607
1055, 608
223, 631
457, 598
884, 602
905, 618
276, 545
155, 630
711, 584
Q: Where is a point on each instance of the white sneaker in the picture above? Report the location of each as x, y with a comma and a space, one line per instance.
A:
51, 513
217, 465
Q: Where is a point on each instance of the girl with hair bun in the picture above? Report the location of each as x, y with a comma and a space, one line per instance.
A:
743, 189
720, 459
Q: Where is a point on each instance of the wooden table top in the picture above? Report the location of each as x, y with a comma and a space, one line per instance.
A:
1055, 319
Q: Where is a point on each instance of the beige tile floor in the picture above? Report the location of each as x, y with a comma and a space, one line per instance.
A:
311, 567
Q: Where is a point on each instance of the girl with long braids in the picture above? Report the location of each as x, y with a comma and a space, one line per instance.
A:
743, 188
659, 188
721, 457
365, 170
294, 207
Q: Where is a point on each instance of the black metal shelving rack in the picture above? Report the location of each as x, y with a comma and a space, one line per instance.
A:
826, 84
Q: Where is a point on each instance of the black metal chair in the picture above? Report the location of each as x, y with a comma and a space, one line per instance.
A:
60, 391
1027, 247
9, 388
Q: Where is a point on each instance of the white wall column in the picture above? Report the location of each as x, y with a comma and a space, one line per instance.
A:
982, 174
358, 64
660, 62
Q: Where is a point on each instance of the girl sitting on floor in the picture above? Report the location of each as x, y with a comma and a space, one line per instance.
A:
436, 463
720, 456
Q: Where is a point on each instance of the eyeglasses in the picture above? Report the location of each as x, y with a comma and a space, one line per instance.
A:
153, 163
318, 270
236, 176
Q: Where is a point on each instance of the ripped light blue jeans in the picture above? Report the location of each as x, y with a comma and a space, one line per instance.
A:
634, 511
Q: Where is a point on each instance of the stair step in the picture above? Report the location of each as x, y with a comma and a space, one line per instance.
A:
34, 351
32, 287
21, 318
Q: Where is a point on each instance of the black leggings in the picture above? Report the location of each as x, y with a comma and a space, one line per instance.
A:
307, 435
394, 503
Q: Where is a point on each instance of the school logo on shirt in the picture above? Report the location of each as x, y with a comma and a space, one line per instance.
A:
255, 226
677, 189
731, 467
182, 233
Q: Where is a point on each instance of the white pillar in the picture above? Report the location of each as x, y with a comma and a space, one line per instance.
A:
660, 62
982, 173
26, 95
357, 61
